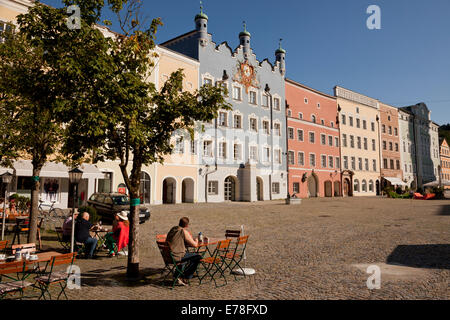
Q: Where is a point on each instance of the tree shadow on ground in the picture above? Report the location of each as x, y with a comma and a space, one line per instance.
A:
434, 256
444, 211
118, 278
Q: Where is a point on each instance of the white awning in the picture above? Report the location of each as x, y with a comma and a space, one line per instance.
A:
395, 181
4, 170
90, 171
24, 168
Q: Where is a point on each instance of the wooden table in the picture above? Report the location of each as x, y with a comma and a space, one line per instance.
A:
45, 256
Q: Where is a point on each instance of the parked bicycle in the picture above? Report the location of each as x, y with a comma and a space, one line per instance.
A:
52, 216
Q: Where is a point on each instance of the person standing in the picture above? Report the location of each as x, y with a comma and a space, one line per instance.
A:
178, 238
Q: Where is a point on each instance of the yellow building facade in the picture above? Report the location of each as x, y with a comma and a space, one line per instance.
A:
360, 142
176, 180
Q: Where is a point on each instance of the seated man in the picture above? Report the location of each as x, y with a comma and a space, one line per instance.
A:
67, 227
82, 227
119, 236
178, 238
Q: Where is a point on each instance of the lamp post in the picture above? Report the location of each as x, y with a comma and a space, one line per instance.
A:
74, 178
6, 179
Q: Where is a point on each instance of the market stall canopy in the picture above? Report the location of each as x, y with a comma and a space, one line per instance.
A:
395, 181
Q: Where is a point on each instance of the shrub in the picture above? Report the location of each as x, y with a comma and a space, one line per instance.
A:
93, 216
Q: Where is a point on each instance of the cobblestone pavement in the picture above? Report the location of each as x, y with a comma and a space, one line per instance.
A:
299, 252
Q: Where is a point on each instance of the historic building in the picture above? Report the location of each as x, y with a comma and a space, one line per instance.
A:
391, 170
176, 180
407, 149
313, 142
423, 137
241, 153
445, 160
360, 142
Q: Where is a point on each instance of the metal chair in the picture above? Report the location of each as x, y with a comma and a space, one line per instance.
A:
64, 243
216, 262
16, 283
51, 277
173, 267
233, 259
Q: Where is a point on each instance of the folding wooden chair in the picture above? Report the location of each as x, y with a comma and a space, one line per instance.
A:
232, 233
215, 263
16, 283
233, 258
173, 267
51, 277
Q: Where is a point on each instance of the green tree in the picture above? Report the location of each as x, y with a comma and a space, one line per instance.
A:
124, 117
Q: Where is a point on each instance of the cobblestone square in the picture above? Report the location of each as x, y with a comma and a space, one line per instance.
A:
317, 250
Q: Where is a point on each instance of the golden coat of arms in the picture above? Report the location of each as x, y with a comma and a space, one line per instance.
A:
246, 75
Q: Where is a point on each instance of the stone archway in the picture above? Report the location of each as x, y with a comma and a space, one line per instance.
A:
187, 190
328, 187
169, 191
260, 188
230, 187
347, 188
313, 185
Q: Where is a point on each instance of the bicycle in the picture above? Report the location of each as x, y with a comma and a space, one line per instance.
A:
51, 216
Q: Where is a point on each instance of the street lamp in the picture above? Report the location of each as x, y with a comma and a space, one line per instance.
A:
6, 179
74, 178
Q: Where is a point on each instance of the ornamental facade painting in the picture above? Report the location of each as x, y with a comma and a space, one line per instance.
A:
246, 75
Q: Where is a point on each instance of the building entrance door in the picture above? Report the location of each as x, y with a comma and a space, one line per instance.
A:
229, 188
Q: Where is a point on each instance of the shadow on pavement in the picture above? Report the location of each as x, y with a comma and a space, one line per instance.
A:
435, 256
445, 210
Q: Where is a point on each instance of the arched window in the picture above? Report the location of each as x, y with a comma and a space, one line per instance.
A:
313, 118
371, 186
364, 186
145, 187
356, 185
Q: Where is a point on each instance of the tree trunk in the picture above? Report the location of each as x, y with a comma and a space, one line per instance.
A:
34, 205
133, 247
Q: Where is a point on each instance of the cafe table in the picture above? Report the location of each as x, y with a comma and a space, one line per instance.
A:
100, 234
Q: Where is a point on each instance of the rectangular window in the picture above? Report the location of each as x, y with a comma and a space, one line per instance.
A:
352, 141
266, 154
390, 146
391, 162
301, 159
207, 81
277, 156
213, 187
312, 137
364, 124
300, 135
276, 104
395, 131
343, 119
353, 163
291, 157
398, 164
345, 162
277, 129
384, 145
193, 147
276, 188
331, 161
252, 97
296, 187
336, 142
253, 124
374, 164
383, 128
358, 123
372, 124
330, 141
254, 153
237, 93
179, 145
237, 152
291, 133
324, 161
359, 142
266, 128
237, 119
312, 159
365, 144
366, 163
374, 145
265, 100
207, 148
223, 119
390, 130
338, 163
223, 150
385, 164
344, 140
396, 147
350, 119
323, 139
360, 164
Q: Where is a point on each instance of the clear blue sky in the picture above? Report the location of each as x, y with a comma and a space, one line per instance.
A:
328, 43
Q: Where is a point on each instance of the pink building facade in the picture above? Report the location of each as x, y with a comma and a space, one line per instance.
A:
314, 160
